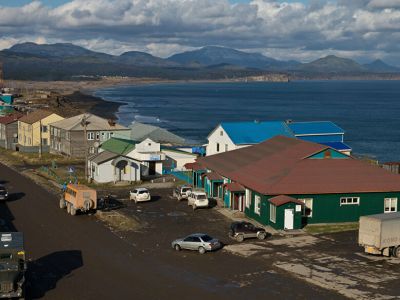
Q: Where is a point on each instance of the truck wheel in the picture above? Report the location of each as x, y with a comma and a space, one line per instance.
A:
396, 252
73, 210
240, 238
69, 208
202, 250
62, 203
261, 236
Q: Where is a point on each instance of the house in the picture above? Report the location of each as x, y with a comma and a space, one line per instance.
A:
125, 160
9, 131
70, 137
34, 132
287, 183
140, 132
235, 135
176, 159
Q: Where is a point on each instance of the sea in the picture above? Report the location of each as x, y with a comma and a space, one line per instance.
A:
368, 111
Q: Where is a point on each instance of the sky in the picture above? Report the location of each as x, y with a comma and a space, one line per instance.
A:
302, 30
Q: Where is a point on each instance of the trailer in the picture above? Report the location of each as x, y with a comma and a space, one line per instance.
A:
380, 234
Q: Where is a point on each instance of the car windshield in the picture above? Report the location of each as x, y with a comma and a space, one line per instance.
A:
143, 192
186, 190
201, 197
206, 238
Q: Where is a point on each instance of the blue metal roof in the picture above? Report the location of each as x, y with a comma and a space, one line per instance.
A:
319, 127
340, 146
255, 132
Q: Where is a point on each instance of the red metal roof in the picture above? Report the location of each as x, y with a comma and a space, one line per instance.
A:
11, 118
194, 166
212, 176
283, 199
280, 166
234, 187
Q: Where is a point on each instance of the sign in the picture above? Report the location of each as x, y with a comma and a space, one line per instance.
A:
71, 170
155, 157
298, 208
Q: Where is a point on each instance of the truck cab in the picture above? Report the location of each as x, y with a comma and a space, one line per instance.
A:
78, 197
12, 265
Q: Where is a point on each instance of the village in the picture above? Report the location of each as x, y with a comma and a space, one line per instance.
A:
294, 186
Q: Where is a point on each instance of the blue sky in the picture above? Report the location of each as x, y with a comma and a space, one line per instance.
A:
363, 30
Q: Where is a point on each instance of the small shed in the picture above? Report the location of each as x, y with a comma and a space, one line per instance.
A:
286, 212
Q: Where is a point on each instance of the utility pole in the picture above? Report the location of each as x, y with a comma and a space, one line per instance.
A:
84, 124
40, 138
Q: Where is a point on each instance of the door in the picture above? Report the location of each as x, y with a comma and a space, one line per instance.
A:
235, 202
289, 219
152, 168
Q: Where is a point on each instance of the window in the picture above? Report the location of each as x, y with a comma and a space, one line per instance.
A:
257, 204
97, 135
90, 136
91, 150
217, 147
307, 207
29, 140
248, 198
44, 128
226, 147
390, 205
272, 213
44, 142
68, 135
349, 201
221, 133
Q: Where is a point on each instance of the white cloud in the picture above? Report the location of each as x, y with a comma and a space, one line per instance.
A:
163, 27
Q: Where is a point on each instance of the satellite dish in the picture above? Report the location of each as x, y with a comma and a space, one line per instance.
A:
96, 144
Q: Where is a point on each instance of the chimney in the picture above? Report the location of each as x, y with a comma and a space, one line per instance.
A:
288, 121
111, 122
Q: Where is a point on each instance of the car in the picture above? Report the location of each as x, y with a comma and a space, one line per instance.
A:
198, 199
3, 193
243, 230
198, 242
182, 192
140, 195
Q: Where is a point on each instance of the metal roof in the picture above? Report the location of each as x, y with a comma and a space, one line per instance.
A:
36, 116
118, 146
93, 122
315, 128
340, 146
280, 166
103, 157
140, 132
11, 118
283, 199
243, 133
234, 187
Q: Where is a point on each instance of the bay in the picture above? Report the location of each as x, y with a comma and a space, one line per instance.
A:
367, 110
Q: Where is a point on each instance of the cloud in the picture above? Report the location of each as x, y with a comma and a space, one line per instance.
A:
358, 28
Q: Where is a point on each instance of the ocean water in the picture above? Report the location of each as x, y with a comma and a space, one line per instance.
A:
369, 111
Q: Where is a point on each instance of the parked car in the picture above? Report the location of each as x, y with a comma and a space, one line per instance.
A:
198, 241
3, 193
140, 195
182, 192
244, 230
78, 197
198, 199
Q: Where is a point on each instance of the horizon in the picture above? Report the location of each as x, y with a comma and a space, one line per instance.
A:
302, 30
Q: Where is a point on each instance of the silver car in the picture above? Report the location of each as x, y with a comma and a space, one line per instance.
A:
198, 241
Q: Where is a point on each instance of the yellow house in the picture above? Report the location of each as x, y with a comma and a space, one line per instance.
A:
34, 131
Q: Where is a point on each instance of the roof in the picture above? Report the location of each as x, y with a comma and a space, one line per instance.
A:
193, 166
212, 176
118, 146
140, 132
280, 166
36, 116
234, 187
103, 157
11, 118
243, 133
317, 127
384, 216
283, 199
79, 187
340, 146
93, 122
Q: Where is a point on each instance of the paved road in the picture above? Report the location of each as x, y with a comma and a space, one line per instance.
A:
80, 258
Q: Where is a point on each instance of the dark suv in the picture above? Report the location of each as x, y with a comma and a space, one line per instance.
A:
3, 193
244, 230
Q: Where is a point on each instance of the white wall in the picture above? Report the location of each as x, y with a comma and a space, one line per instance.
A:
180, 158
105, 172
219, 136
148, 146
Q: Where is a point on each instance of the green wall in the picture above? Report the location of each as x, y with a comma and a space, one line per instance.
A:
263, 217
280, 216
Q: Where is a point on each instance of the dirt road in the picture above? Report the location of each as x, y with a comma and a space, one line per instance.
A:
80, 258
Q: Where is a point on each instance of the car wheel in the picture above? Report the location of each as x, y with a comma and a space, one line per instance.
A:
177, 247
240, 238
396, 252
202, 250
261, 236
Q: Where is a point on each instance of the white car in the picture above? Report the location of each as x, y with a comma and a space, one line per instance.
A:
198, 199
140, 195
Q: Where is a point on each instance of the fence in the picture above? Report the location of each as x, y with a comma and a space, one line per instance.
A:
181, 175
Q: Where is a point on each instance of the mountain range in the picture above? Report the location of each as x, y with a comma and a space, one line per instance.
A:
66, 61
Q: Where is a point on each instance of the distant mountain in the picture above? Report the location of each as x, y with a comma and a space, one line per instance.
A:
144, 59
379, 66
332, 64
213, 55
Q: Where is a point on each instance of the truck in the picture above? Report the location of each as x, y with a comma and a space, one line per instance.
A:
78, 197
380, 234
12, 265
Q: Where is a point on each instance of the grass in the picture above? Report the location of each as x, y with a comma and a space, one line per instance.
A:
331, 228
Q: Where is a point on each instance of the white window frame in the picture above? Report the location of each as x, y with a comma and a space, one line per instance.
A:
303, 210
90, 136
272, 213
391, 201
349, 201
221, 133
248, 198
257, 204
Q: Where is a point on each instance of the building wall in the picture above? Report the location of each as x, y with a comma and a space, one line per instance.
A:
178, 159
108, 173
11, 134
219, 136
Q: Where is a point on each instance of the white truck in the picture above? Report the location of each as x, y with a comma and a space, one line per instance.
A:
380, 234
